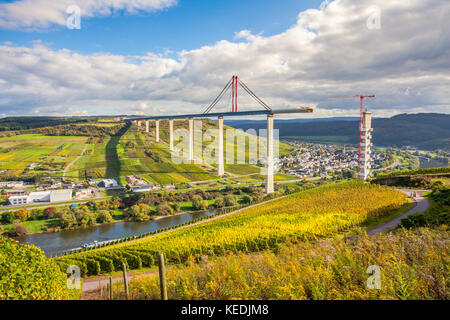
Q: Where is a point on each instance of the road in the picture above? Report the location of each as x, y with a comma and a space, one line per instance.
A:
70, 164
421, 204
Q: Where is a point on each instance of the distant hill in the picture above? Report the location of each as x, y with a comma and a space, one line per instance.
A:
427, 131
25, 123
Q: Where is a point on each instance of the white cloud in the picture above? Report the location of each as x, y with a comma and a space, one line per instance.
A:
37, 14
329, 52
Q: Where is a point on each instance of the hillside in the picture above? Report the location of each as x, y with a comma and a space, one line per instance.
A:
309, 214
427, 131
413, 268
108, 149
25, 123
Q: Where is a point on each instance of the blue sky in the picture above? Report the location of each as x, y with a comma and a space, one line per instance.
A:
174, 56
188, 25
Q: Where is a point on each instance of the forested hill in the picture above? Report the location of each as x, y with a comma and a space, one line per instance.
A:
427, 131
25, 123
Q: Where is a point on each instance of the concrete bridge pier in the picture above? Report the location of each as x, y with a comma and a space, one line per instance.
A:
147, 126
157, 131
171, 134
220, 164
191, 139
269, 176
139, 123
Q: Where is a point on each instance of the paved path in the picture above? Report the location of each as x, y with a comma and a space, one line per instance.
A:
421, 204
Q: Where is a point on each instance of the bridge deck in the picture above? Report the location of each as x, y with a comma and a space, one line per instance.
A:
224, 114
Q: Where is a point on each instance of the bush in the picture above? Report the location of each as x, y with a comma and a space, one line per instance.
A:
230, 200
163, 210
247, 199
197, 202
8, 217
104, 217
50, 212
26, 274
220, 202
22, 214
18, 230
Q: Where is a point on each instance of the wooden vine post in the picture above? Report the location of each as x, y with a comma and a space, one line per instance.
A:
162, 276
110, 288
125, 280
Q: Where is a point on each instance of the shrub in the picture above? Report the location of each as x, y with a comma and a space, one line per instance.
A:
230, 200
22, 214
26, 274
197, 202
18, 229
220, 202
8, 217
163, 210
104, 217
49, 212
247, 199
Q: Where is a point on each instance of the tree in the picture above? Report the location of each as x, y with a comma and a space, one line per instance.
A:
8, 217
175, 206
163, 210
230, 200
68, 220
197, 202
247, 199
22, 214
220, 202
35, 214
104, 216
138, 213
50, 212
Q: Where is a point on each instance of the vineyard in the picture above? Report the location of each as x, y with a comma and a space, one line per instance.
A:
304, 215
26, 274
414, 266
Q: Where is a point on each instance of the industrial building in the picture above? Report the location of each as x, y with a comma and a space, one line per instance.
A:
108, 184
43, 196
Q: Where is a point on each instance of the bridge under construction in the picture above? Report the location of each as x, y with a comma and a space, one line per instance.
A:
233, 84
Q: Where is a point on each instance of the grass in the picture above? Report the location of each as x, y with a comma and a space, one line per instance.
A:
35, 226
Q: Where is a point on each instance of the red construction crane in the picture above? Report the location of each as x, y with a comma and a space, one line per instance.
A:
361, 97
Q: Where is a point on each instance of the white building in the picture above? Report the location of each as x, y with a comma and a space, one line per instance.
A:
108, 183
11, 184
43, 196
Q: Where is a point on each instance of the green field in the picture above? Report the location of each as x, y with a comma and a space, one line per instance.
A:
48, 154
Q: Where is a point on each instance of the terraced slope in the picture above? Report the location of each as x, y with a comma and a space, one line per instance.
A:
308, 214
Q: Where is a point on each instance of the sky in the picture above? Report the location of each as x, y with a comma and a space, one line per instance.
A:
160, 57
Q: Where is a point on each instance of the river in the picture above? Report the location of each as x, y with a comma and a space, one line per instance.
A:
58, 242
426, 163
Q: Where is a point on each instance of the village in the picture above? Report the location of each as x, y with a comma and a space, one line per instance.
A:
321, 160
